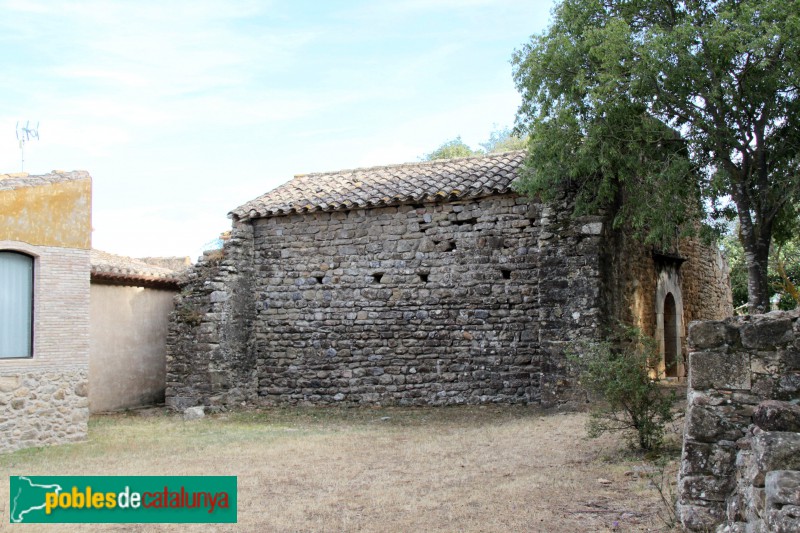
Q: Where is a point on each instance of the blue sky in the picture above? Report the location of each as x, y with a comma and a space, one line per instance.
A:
183, 110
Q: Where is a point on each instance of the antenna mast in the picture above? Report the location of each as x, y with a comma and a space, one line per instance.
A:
25, 134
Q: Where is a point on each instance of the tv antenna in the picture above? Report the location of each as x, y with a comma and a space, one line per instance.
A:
24, 134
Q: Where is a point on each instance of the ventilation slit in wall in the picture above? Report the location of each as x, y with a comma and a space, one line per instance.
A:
472, 220
377, 276
423, 277
506, 273
319, 279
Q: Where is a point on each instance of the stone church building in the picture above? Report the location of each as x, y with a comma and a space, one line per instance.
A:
422, 283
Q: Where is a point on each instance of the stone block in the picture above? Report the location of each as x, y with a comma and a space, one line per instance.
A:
194, 413
785, 520
719, 370
704, 335
754, 499
8, 383
790, 357
775, 450
82, 389
700, 517
765, 333
594, 228
705, 488
782, 488
705, 424
219, 296
774, 415
709, 459
180, 403
765, 362
789, 386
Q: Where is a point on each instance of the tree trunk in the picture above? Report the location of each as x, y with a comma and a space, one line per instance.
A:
755, 236
757, 257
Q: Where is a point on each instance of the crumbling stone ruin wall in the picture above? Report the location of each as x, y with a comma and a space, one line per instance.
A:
209, 355
740, 467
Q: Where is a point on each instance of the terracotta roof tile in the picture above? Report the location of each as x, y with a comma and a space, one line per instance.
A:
433, 181
124, 270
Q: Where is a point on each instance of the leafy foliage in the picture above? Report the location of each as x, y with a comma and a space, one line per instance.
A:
500, 140
503, 140
661, 109
619, 371
451, 149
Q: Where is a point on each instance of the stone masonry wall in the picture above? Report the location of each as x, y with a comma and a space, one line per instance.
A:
631, 282
209, 343
740, 467
43, 398
457, 302
436, 303
569, 306
631, 275
40, 408
424, 304
705, 282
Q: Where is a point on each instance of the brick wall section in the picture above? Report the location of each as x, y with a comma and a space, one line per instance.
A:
742, 370
60, 347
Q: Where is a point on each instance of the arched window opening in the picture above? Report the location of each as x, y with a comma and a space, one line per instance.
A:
671, 344
16, 305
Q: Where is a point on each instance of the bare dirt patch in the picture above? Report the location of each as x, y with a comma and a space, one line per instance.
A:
441, 469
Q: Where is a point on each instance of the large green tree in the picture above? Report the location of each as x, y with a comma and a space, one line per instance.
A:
668, 111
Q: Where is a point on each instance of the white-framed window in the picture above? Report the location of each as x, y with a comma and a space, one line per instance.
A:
16, 305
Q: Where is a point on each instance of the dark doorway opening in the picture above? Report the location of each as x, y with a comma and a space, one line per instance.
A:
671, 347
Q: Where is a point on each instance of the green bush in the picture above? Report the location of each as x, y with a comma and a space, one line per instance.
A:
620, 370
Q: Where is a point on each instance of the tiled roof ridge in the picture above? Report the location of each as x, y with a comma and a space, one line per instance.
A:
388, 185
409, 164
121, 268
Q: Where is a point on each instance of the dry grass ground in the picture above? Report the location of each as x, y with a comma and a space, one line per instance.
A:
444, 469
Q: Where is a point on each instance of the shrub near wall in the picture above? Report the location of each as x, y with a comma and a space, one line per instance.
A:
740, 467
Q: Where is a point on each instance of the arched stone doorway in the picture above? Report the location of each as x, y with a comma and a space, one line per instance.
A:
672, 347
669, 320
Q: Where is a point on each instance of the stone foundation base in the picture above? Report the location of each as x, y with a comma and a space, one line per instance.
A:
43, 408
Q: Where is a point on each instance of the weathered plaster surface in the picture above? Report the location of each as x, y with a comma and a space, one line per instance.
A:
128, 331
58, 214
